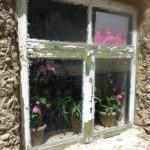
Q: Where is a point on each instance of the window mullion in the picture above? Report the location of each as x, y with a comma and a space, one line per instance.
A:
88, 99
89, 27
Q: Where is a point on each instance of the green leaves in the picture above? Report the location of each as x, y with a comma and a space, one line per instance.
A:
42, 100
107, 103
33, 116
61, 109
76, 110
48, 105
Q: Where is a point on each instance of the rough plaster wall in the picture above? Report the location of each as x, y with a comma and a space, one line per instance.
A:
9, 79
143, 74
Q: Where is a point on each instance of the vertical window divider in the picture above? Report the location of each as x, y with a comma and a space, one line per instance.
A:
88, 86
21, 6
88, 100
132, 98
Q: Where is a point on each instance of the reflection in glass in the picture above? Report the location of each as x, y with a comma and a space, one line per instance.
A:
56, 21
55, 100
111, 29
111, 93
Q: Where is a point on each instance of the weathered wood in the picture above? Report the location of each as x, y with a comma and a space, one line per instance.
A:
45, 49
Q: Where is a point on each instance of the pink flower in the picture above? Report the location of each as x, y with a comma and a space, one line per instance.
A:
37, 102
35, 110
109, 74
53, 69
125, 63
42, 69
48, 67
115, 89
120, 97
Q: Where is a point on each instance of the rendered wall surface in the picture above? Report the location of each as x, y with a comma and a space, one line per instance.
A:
143, 74
9, 78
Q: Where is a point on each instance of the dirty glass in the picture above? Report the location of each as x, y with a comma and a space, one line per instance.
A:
111, 93
55, 100
57, 21
112, 28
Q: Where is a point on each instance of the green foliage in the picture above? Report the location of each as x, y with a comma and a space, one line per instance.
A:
76, 110
39, 95
57, 102
106, 100
61, 108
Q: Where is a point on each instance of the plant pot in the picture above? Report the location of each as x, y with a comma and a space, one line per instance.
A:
37, 135
76, 124
108, 120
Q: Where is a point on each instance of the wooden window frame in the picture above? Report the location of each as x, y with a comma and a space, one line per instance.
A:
33, 48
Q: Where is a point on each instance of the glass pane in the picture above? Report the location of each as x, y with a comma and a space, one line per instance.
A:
55, 100
111, 93
57, 21
112, 29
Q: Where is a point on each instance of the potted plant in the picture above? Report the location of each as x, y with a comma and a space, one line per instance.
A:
108, 101
40, 76
61, 108
37, 120
76, 115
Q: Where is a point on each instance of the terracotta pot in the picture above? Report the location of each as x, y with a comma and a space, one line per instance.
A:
108, 120
76, 124
37, 135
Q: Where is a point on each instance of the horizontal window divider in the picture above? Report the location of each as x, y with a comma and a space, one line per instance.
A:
108, 5
47, 49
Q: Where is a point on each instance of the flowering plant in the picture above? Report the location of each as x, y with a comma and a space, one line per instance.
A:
41, 76
109, 98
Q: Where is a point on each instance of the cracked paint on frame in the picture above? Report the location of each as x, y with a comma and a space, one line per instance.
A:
80, 51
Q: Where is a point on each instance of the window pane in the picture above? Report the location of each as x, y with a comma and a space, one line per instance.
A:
112, 93
111, 29
57, 21
55, 99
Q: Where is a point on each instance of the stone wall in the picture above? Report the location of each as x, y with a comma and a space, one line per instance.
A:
9, 78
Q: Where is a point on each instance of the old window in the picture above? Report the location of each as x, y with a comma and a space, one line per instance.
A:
78, 60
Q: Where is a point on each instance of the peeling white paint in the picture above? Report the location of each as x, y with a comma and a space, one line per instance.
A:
35, 45
24, 79
130, 49
71, 46
30, 50
88, 100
